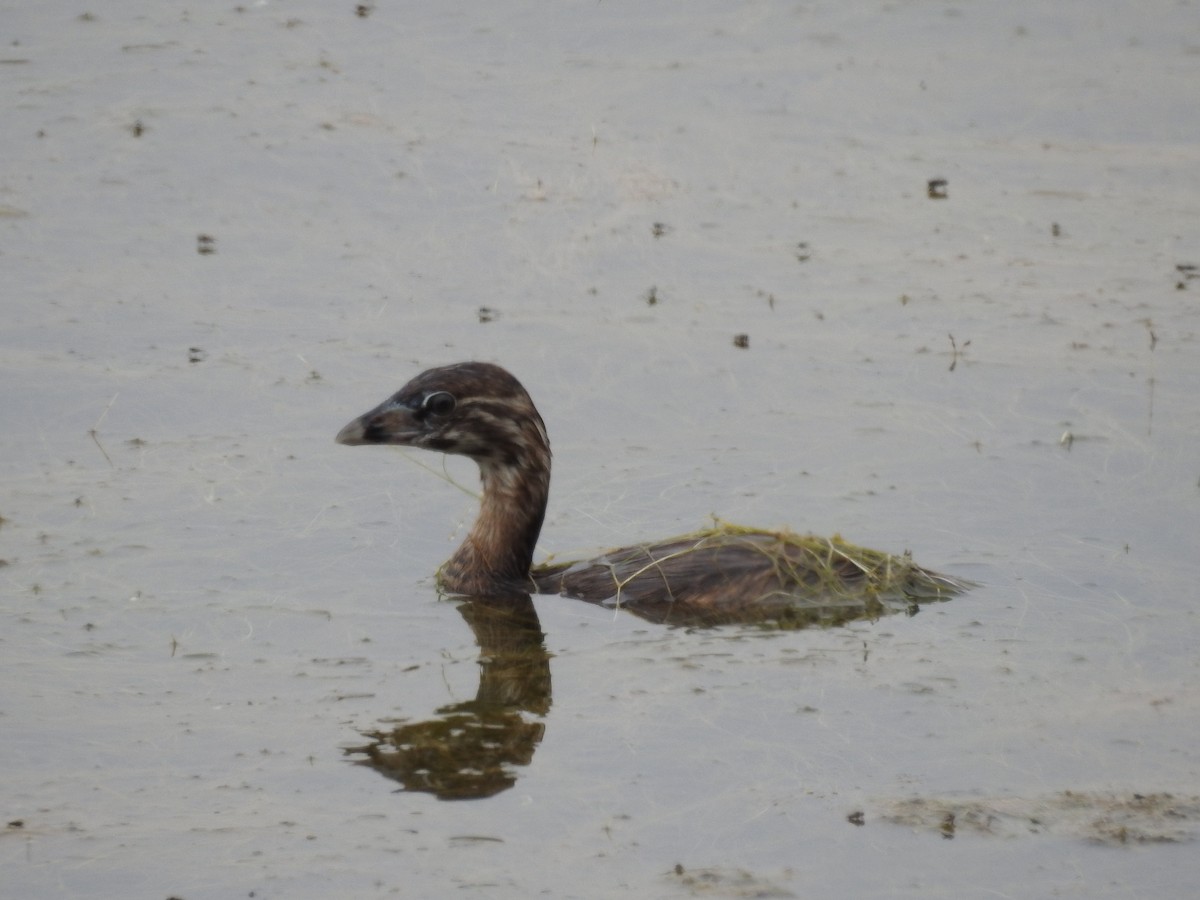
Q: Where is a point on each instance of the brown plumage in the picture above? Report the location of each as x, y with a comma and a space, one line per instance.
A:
722, 574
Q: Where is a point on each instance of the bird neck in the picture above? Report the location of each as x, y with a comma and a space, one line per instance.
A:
497, 552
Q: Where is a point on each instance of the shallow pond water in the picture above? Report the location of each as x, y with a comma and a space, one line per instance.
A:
208, 607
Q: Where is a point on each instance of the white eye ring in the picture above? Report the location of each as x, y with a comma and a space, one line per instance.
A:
439, 403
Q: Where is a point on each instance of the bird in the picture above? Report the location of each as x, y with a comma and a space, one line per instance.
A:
716, 575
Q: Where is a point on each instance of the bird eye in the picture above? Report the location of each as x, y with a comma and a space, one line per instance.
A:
439, 403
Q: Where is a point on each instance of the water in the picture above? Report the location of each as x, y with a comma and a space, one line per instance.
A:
206, 602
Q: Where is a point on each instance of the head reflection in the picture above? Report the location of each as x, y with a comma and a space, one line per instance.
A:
471, 750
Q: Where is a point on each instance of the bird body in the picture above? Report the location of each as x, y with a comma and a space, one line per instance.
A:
721, 574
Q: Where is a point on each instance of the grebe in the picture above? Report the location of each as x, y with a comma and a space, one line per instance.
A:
723, 574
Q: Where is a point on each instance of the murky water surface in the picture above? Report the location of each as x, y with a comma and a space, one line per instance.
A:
225, 232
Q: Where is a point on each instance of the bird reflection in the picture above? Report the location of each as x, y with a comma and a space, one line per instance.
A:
470, 750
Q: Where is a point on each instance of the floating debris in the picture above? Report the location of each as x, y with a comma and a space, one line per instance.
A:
1106, 819
957, 352
1149, 323
947, 826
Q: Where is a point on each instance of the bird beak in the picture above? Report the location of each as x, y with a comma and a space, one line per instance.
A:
388, 423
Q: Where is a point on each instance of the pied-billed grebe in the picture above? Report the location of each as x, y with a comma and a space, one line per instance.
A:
722, 574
